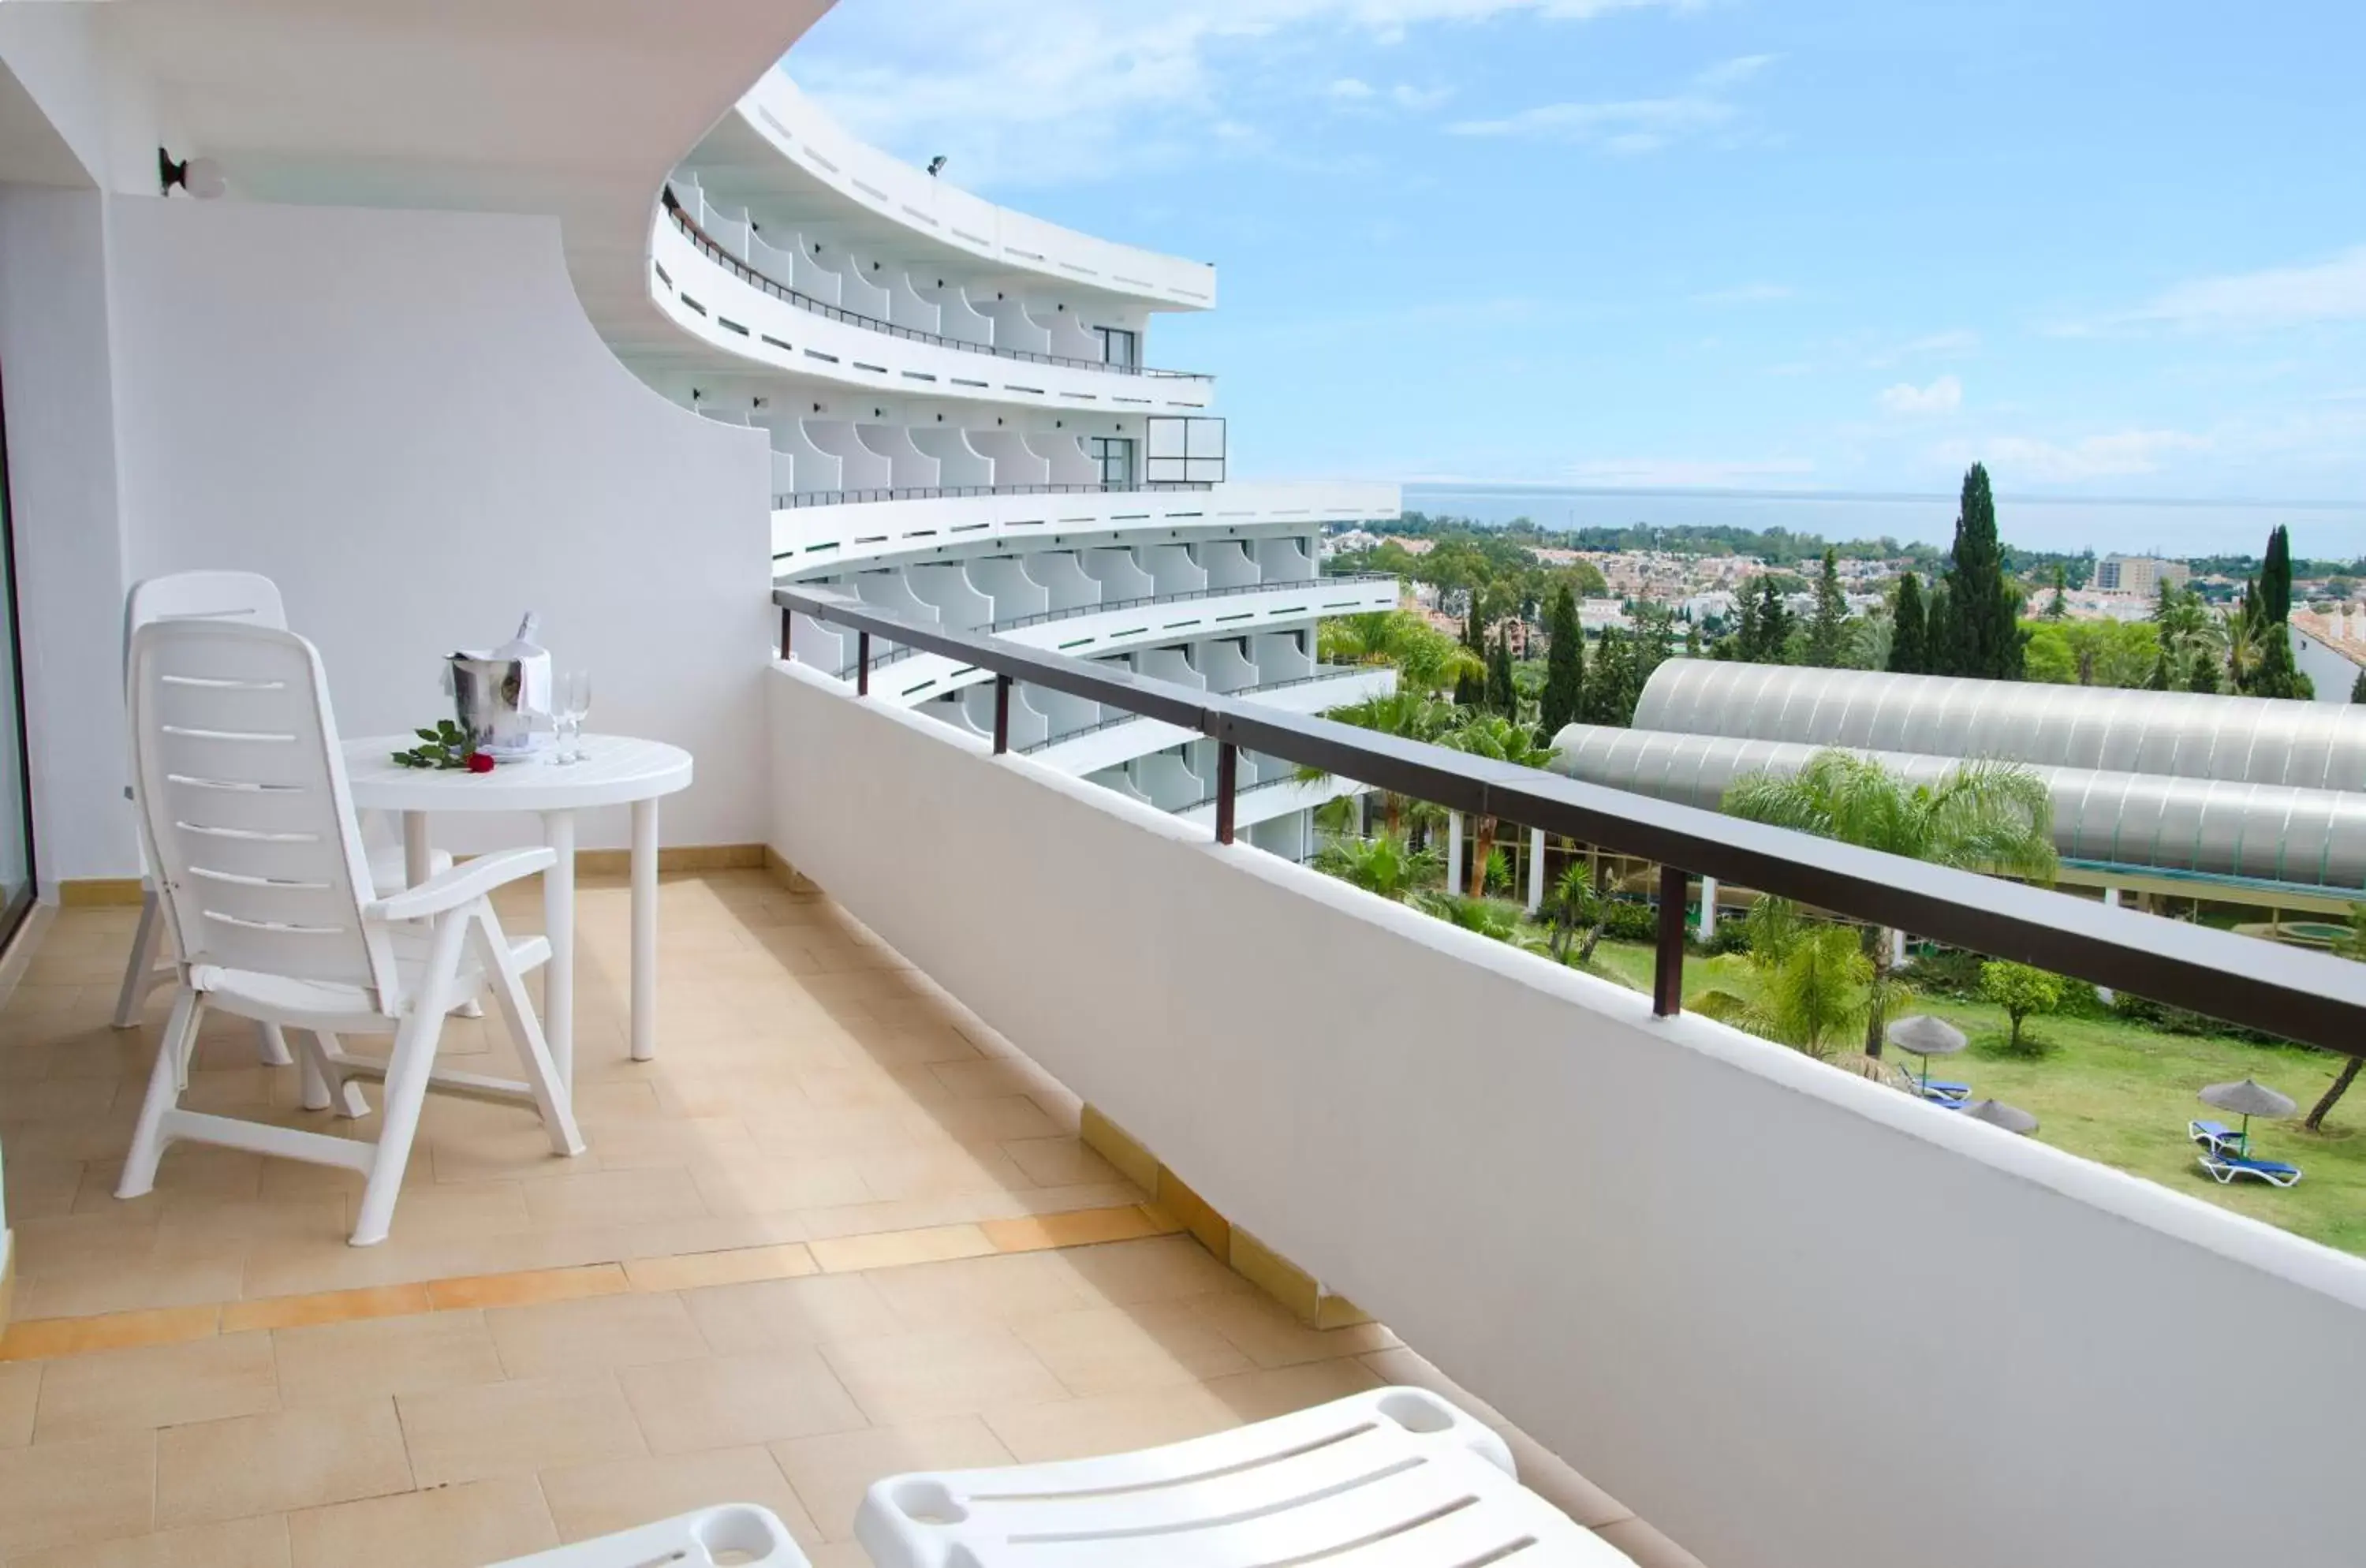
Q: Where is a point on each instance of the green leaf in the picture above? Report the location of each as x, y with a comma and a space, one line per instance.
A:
449, 730
426, 734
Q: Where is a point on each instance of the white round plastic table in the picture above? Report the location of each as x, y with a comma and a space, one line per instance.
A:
616, 769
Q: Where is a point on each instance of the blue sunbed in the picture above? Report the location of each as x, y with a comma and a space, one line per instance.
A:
2215, 1137
2227, 1168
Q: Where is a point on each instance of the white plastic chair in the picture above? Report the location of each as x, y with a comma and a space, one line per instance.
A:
734, 1532
1391, 1478
249, 823
251, 599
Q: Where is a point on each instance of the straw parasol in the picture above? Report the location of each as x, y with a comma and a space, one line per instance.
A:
2247, 1099
1997, 1113
1926, 1037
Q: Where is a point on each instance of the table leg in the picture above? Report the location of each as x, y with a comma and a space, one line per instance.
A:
644, 930
558, 925
414, 848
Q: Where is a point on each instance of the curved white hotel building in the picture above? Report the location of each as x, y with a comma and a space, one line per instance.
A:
967, 423
997, 1104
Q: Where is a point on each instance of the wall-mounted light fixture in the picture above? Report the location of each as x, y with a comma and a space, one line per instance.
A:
201, 178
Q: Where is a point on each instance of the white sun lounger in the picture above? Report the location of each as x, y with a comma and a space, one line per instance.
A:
735, 1532
1394, 1478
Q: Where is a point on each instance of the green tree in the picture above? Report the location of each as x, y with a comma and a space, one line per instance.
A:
2158, 681
2276, 675
1820, 987
1408, 715
2276, 577
1982, 636
1982, 814
1773, 625
1497, 740
2059, 607
1565, 664
2022, 990
1827, 630
1573, 905
2203, 677
1500, 696
1382, 865
1427, 660
2357, 688
1909, 647
1606, 684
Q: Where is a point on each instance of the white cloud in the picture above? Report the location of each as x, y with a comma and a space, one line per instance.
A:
1746, 294
1632, 125
1678, 473
2018, 458
1347, 89
1944, 395
1956, 340
1033, 92
2311, 294
1407, 96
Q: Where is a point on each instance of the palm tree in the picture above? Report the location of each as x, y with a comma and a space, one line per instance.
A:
1573, 905
2241, 638
1982, 816
1382, 865
1408, 715
1498, 740
1428, 659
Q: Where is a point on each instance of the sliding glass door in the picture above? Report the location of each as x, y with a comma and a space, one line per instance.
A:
16, 802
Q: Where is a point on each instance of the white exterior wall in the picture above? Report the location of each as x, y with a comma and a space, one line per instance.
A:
406, 420
1712, 1274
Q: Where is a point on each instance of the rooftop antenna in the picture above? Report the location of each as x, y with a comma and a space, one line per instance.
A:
937, 165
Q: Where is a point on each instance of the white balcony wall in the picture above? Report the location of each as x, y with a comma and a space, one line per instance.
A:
957, 317
1284, 560
954, 711
1120, 575
1169, 664
889, 590
258, 358
907, 307
959, 604
815, 470
1028, 725
1705, 1269
1171, 569
1289, 837
1014, 593
1165, 781
1067, 335
1227, 664
1066, 454
1281, 656
1063, 712
780, 266
1120, 781
809, 277
822, 647
1013, 327
1015, 462
958, 462
908, 467
859, 289
1227, 563
728, 227
861, 466
1065, 581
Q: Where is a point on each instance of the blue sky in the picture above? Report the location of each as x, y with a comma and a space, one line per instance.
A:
2113, 249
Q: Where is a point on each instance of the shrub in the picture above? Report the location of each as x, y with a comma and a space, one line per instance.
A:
1626, 921
2022, 989
2179, 1021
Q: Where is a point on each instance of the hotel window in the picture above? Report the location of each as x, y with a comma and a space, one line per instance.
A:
1119, 346
1114, 456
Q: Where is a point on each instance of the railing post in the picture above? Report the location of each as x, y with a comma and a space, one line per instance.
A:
861, 664
1228, 772
788, 625
1668, 970
1001, 714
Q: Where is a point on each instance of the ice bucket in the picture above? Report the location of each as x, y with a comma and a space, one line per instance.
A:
500, 704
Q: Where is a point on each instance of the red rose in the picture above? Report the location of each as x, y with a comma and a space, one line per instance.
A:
480, 762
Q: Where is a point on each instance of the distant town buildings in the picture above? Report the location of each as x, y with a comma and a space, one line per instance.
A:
2141, 575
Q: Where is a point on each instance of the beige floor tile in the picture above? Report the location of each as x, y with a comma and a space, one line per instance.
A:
1145, 1418
21, 1388
521, 1287
327, 1306
1077, 1227
733, 1266
67, 1494
977, 1291
832, 1472
652, 1141
615, 1198
159, 1385
1647, 1547
1164, 1268
516, 1427
1058, 1162
598, 1332
463, 1209
271, 1464
997, 1120
844, 1255
1272, 1337
989, 1077
168, 1273
594, 1499
766, 1184
729, 1401
31, 1338
957, 1372
1111, 1350
236, 1543
339, 1362
780, 1315
452, 1526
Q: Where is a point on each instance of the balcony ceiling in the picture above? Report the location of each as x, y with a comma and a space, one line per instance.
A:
571, 108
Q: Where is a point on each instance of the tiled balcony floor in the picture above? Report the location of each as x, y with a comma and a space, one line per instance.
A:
837, 1229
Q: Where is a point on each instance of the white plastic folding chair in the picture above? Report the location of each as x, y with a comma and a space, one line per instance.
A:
248, 598
1391, 1478
249, 826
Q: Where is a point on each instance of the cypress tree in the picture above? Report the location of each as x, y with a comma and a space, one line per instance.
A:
1745, 640
1470, 690
1910, 649
1501, 695
2357, 688
2059, 607
1775, 620
1605, 688
2159, 682
1826, 633
1565, 664
2205, 677
1983, 637
2276, 576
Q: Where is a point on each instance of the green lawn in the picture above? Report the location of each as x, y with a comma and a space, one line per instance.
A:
2122, 1094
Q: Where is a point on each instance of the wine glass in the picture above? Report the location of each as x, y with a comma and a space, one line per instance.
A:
570, 701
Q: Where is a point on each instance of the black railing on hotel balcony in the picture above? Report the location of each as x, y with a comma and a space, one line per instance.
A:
1041, 616
937, 492
804, 301
1327, 672
2311, 997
